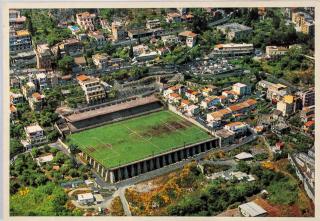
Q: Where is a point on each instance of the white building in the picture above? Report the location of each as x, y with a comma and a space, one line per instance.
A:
233, 49
118, 31
152, 24
188, 37
86, 20
16, 98
234, 30
252, 209
42, 81
85, 198
34, 136
244, 156
241, 89
273, 51
93, 89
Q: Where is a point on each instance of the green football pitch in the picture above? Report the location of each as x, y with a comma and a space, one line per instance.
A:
137, 138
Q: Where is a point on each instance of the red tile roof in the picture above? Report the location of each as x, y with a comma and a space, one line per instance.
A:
309, 123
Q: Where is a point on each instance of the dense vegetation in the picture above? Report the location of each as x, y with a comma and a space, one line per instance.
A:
220, 195
43, 28
46, 200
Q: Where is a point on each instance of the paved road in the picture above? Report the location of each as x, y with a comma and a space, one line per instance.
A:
124, 201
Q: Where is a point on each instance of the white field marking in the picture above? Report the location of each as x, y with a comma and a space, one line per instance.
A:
143, 137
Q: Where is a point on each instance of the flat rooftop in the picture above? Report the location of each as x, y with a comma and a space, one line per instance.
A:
110, 109
138, 138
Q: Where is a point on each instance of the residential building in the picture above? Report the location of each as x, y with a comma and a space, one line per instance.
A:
153, 24
105, 24
34, 136
118, 31
146, 56
194, 96
209, 90
304, 165
13, 112
101, 60
140, 49
36, 102
308, 97
308, 127
182, 11
85, 198
233, 49
19, 41
239, 128
79, 65
234, 30
275, 92
286, 105
252, 209
230, 95
93, 89
16, 98
276, 51
193, 110
210, 103
42, 81
43, 55
174, 98
172, 89
304, 22
187, 17
170, 39
104, 62
241, 89
280, 128
16, 21
173, 17
226, 137
243, 107
28, 89
163, 51
21, 60
86, 20
71, 46
277, 115
307, 114
98, 37
188, 37
143, 33
219, 115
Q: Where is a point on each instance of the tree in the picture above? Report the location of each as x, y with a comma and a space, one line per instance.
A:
30, 27
35, 152
60, 157
199, 22
131, 52
74, 148
276, 22
243, 167
65, 64
73, 173
15, 147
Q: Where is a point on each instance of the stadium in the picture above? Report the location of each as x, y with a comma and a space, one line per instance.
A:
130, 145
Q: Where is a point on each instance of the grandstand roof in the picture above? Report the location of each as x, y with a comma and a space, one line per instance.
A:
109, 109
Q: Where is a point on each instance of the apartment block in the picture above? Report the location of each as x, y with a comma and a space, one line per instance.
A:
93, 89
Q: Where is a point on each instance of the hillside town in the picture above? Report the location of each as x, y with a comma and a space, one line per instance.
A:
223, 97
